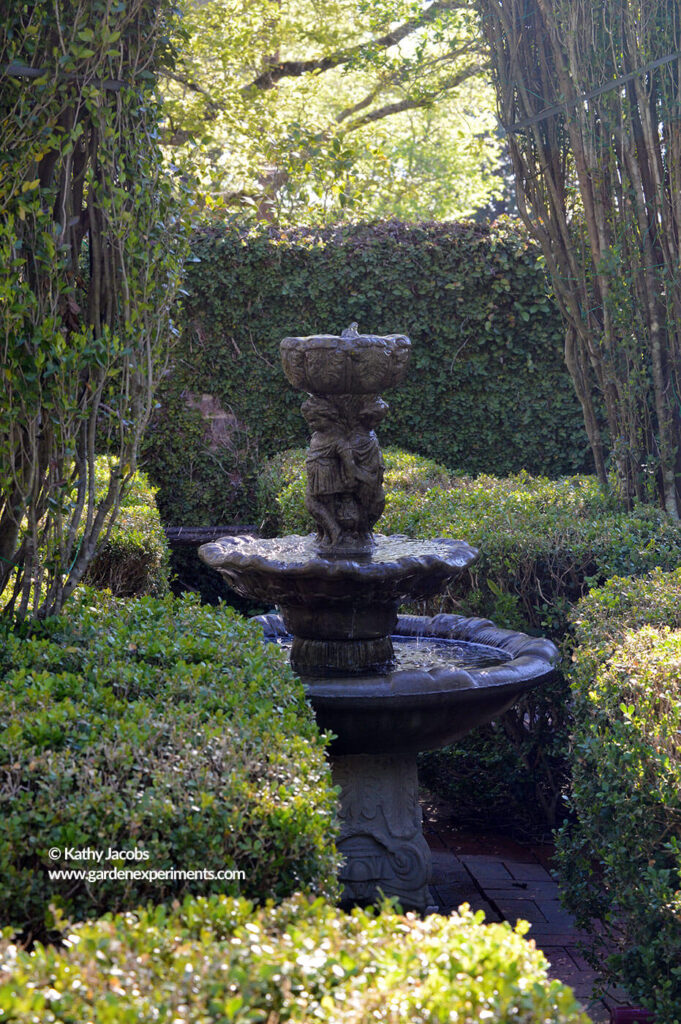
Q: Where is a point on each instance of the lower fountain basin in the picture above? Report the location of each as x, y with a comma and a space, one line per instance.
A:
406, 710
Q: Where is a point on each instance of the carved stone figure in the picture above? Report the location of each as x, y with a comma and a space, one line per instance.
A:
369, 461
345, 468
331, 471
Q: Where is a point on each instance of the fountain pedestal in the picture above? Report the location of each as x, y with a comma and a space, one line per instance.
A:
451, 674
380, 830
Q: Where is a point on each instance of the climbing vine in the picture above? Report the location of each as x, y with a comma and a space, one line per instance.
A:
487, 389
91, 250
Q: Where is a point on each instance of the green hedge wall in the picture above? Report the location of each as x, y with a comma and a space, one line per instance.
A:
161, 728
472, 298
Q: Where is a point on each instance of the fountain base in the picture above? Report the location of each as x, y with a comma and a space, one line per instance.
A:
385, 853
450, 674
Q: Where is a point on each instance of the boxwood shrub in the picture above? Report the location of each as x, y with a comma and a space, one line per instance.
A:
162, 727
135, 559
621, 858
217, 960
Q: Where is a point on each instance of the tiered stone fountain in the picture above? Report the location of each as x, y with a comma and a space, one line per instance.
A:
387, 686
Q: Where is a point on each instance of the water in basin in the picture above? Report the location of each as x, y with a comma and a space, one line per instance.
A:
416, 652
425, 653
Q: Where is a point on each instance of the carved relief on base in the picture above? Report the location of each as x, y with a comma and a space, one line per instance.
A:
381, 838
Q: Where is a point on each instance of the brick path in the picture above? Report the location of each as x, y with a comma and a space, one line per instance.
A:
509, 881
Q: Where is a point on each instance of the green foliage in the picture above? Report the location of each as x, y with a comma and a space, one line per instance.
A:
160, 726
621, 859
216, 959
134, 560
320, 115
91, 254
473, 300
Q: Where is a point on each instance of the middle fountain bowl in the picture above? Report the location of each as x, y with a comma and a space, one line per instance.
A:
340, 609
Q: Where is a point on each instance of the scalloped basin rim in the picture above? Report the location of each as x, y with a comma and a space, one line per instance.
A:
296, 555
408, 687
531, 658
424, 710
312, 341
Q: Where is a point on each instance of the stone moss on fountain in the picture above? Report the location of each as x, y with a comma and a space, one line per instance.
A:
338, 592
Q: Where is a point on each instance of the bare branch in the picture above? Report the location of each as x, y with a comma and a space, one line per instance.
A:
212, 106
362, 105
294, 68
415, 102
17, 69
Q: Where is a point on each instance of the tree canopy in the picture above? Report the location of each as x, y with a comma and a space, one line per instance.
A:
302, 111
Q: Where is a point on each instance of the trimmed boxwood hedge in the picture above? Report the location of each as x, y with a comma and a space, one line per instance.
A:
621, 858
135, 559
473, 299
216, 960
161, 726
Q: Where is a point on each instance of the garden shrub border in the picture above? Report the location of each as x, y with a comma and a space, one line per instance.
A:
161, 726
543, 543
620, 858
134, 559
217, 959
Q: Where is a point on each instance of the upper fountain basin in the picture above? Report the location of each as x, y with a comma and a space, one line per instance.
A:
290, 570
350, 364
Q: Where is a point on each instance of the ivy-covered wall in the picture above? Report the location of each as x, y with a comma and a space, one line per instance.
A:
487, 389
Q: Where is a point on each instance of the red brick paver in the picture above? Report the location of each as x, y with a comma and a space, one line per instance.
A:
509, 881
